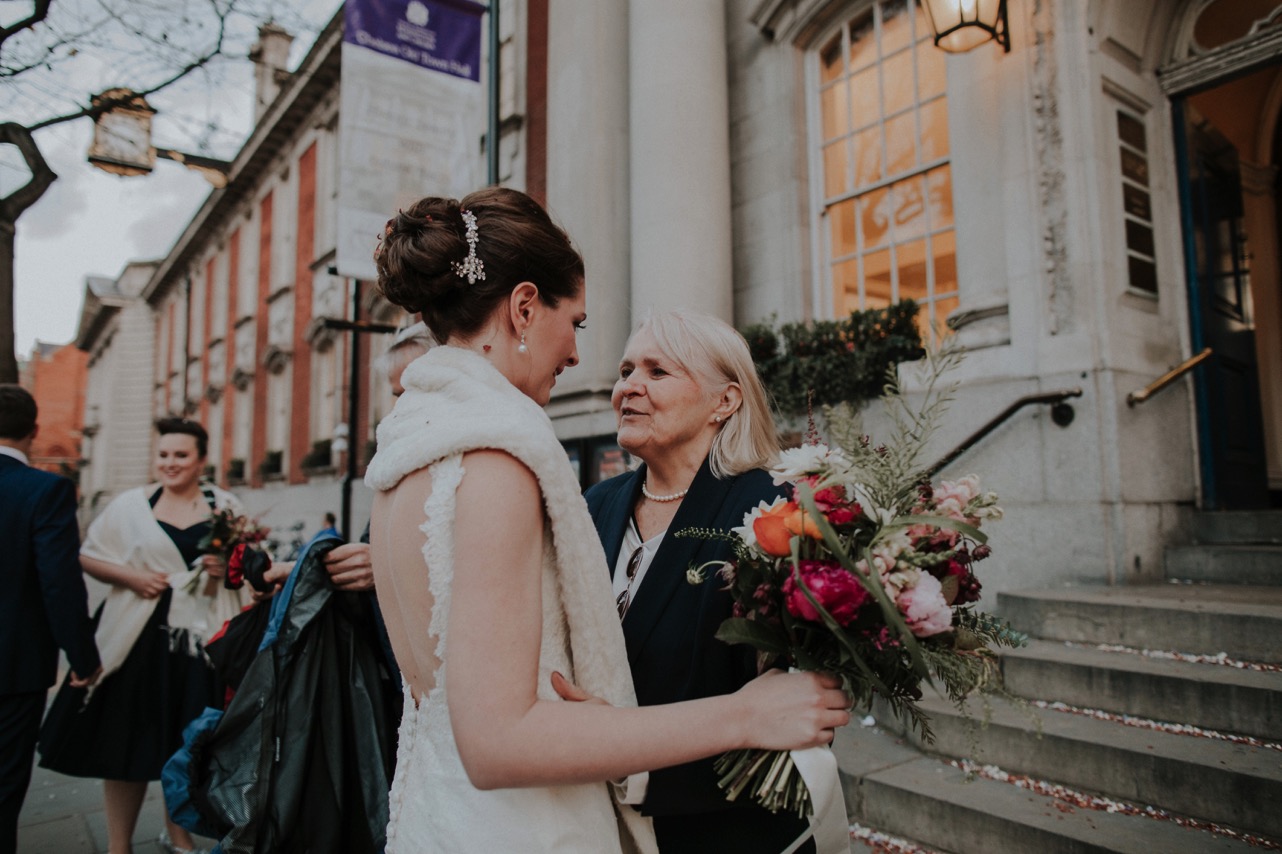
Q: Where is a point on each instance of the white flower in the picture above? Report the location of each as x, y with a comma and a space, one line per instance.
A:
903, 577
797, 463
881, 515
744, 532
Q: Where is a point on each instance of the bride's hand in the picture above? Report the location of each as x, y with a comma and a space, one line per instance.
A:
790, 711
567, 690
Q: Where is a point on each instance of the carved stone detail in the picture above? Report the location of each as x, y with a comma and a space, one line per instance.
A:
241, 378
1051, 179
276, 359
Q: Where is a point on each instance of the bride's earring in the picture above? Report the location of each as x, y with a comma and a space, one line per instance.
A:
522, 349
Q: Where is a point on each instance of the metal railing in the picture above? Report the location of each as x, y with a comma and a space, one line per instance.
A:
1061, 414
1135, 398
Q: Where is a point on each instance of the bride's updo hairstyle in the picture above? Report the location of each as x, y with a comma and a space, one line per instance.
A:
425, 262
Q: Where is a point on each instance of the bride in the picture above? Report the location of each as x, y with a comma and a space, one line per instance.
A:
491, 576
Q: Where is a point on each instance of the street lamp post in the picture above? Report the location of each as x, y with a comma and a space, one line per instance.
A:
356, 326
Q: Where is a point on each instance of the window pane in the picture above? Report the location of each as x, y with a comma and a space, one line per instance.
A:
934, 130
910, 209
911, 258
830, 60
864, 106
1131, 131
845, 287
868, 168
863, 45
930, 70
897, 82
832, 106
939, 192
1139, 238
842, 217
874, 218
885, 115
896, 26
877, 279
835, 168
901, 138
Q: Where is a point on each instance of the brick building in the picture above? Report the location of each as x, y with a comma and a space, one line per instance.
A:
55, 374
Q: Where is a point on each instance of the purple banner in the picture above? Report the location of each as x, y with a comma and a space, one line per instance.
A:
441, 35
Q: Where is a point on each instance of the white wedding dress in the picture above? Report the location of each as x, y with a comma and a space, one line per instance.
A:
456, 401
432, 806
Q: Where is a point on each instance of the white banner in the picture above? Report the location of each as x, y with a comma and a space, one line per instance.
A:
411, 115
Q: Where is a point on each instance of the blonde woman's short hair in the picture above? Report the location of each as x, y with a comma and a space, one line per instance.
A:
409, 343
715, 355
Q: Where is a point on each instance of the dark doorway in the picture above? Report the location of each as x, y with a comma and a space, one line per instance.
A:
1217, 257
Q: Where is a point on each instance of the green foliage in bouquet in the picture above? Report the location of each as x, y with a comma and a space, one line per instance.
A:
836, 360
867, 571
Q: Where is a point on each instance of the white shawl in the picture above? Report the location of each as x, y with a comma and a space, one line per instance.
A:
456, 401
127, 533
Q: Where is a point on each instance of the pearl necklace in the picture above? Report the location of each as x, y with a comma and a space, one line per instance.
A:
663, 498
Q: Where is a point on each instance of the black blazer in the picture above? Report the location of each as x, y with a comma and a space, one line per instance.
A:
43, 603
670, 626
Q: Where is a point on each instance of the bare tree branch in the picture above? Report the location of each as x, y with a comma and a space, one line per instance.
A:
106, 104
38, 13
12, 205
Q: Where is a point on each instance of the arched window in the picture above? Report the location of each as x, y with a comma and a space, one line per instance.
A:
885, 206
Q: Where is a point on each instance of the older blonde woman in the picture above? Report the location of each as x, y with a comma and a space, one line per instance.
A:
691, 406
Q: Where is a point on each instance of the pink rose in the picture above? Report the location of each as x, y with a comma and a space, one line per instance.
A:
924, 607
839, 592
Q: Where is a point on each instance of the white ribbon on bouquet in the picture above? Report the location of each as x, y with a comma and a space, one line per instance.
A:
829, 824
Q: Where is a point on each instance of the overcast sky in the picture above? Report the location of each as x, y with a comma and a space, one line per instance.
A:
92, 223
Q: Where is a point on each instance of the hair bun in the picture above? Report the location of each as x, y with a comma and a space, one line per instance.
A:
455, 269
415, 253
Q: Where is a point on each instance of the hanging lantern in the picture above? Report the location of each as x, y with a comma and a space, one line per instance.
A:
122, 133
961, 25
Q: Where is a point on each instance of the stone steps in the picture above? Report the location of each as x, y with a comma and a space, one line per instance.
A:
1226, 564
1238, 527
1223, 782
893, 787
1227, 603
1244, 622
1210, 696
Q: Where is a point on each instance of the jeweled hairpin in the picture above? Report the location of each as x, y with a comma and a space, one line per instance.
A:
471, 267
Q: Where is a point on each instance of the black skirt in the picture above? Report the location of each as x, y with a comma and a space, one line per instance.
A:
134, 720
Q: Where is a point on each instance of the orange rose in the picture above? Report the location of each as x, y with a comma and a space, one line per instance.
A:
772, 531
802, 523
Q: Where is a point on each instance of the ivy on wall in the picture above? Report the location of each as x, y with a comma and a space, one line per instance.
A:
839, 360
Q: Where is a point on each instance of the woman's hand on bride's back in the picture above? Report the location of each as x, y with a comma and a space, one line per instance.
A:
790, 711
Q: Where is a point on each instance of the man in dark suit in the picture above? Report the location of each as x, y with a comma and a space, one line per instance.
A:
43, 603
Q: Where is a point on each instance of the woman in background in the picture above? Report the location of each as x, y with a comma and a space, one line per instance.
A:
166, 598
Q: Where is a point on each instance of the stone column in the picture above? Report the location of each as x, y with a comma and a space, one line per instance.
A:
680, 157
587, 172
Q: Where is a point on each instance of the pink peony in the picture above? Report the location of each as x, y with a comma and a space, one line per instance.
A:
924, 607
839, 592
841, 515
830, 497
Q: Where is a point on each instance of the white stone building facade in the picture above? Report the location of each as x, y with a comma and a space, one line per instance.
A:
1086, 210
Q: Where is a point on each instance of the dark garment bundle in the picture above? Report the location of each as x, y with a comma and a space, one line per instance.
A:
302, 758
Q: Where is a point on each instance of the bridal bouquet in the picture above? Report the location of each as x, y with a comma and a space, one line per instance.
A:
865, 570
234, 538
